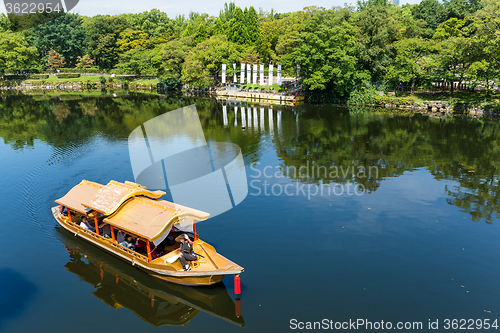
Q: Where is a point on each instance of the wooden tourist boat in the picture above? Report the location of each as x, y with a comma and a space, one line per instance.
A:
132, 209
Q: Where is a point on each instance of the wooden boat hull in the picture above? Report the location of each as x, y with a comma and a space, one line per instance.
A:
158, 267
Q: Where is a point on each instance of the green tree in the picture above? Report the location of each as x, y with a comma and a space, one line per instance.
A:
64, 34
201, 33
237, 31
155, 23
228, 12
134, 39
411, 63
189, 30
378, 29
218, 28
171, 57
327, 53
102, 33
135, 61
4, 23
460, 9
486, 33
203, 66
432, 12
16, 53
280, 37
454, 50
252, 25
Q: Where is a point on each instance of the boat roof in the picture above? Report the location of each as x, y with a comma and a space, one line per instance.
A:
110, 197
129, 207
149, 218
88, 196
82, 192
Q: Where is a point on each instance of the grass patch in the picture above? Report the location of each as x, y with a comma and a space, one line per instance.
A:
275, 87
54, 78
470, 96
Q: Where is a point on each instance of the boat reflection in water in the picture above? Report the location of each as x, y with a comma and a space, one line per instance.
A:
157, 302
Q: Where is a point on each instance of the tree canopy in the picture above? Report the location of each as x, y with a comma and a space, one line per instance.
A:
339, 49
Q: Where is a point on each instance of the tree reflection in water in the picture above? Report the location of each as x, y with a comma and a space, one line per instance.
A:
324, 136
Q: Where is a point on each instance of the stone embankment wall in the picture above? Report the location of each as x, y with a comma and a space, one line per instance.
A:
71, 86
447, 108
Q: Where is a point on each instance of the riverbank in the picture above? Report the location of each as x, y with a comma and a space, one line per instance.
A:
440, 103
81, 83
474, 103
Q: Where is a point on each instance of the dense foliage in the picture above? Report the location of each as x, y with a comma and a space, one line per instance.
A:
339, 50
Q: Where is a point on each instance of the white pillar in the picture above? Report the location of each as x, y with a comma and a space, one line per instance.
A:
249, 74
270, 75
223, 73
261, 75
279, 75
234, 72
254, 74
242, 75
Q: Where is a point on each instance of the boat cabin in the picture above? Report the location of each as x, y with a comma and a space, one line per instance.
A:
121, 210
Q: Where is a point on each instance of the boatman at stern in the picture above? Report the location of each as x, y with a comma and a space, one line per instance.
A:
186, 251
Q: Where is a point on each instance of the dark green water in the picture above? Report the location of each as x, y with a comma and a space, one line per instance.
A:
414, 239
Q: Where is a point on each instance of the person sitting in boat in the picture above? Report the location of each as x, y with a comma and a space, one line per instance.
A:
129, 242
120, 236
186, 251
141, 247
105, 230
86, 225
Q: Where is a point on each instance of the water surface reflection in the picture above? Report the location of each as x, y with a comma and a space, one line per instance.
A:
319, 136
156, 302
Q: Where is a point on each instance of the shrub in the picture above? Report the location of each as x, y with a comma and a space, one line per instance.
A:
171, 83
81, 70
15, 77
382, 100
68, 75
39, 76
102, 79
90, 84
362, 95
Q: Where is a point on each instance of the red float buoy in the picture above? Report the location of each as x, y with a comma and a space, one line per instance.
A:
237, 307
237, 284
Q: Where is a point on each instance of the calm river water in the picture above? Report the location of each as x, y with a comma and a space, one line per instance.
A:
349, 215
